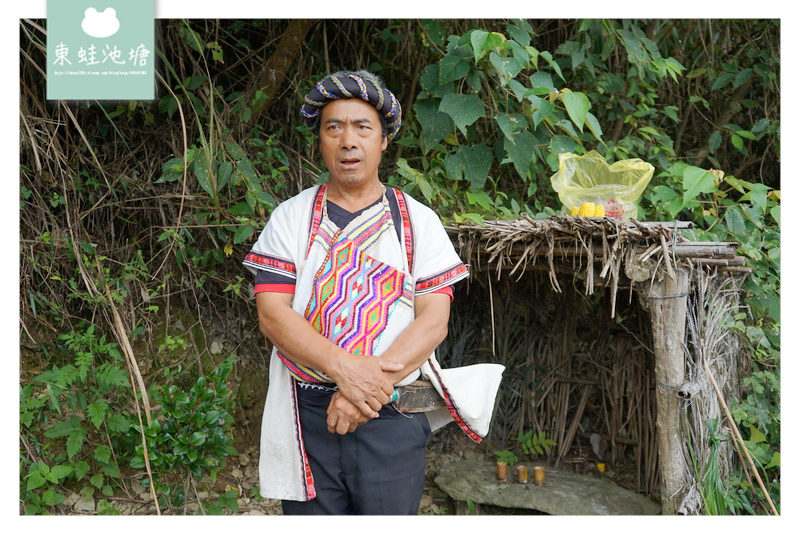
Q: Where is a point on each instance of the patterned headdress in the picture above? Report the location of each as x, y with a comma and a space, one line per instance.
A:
359, 84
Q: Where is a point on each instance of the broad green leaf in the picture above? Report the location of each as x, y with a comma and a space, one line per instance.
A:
742, 77
477, 39
577, 105
429, 80
435, 31
735, 183
760, 126
479, 198
721, 81
560, 144
734, 220
522, 56
245, 166
674, 206
242, 234
518, 89
543, 79
425, 187
81, 469
755, 435
97, 480
224, 174
775, 461
102, 453
757, 195
507, 67
510, 124
520, 31
697, 181
714, 141
736, 141
473, 162
234, 150
520, 150
464, 109
197, 438
662, 194
594, 126
59, 472
746, 134
242, 208
434, 125
51, 497
75, 443
35, 480
200, 166
97, 412
540, 109
552, 63
452, 67
62, 429
776, 214
567, 127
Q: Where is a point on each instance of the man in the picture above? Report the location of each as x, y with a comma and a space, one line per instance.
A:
353, 288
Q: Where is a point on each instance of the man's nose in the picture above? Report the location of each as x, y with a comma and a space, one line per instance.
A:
347, 139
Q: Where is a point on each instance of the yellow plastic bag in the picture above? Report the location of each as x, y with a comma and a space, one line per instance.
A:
588, 178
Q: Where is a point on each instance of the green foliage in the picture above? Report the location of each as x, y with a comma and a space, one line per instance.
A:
191, 435
75, 420
534, 444
506, 456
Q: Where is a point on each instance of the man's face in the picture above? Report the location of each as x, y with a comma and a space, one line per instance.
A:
351, 142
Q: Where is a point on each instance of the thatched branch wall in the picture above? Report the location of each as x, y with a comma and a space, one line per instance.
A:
585, 313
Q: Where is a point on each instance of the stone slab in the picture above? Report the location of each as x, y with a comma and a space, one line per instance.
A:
564, 492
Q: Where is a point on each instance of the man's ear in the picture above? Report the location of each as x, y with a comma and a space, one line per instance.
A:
384, 144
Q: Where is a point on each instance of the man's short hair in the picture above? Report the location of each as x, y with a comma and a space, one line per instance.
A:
358, 84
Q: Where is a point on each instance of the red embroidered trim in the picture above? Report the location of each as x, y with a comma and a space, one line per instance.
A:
438, 279
270, 261
408, 230
308, 478
285, 288
454, 411
316, 216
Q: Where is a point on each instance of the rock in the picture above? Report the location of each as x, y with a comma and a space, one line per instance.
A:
215, 348
236, 473
85, 506
426, 500
564, 493
71, 499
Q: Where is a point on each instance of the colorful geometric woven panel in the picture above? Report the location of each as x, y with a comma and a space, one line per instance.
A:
350, 304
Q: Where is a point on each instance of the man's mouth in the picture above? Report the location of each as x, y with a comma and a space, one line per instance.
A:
349, 163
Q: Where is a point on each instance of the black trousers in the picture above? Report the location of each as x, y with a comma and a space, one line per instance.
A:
378, 469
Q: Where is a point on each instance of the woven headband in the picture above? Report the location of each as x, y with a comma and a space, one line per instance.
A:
352, 86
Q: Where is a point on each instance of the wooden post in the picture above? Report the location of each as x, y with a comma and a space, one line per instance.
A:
666, 300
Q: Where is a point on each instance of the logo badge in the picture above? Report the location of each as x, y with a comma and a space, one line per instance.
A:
100, 50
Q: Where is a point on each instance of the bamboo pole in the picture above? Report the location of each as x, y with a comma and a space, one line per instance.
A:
665, 299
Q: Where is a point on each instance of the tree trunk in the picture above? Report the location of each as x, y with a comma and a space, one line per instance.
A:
274, 73
665, 300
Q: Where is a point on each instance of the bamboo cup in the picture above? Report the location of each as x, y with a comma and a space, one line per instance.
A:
538, 475
502, 471
522, 474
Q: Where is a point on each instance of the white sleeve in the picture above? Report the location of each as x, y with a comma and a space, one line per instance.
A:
275, 249
436, 264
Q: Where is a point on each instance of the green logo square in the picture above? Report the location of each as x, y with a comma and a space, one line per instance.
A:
100, 50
